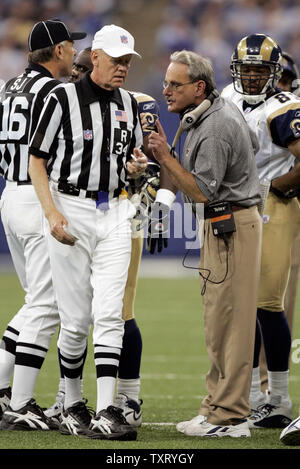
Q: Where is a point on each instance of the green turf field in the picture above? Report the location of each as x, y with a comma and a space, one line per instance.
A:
173, 372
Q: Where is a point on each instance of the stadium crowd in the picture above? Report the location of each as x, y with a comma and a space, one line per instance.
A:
198, 25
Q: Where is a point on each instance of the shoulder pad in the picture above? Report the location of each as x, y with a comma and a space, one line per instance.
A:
227, 91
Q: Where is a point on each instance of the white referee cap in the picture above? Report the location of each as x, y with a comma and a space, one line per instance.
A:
114, 41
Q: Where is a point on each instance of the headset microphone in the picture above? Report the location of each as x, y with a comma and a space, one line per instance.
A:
191, 117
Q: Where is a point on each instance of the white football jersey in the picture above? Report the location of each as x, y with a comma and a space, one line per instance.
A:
275, 122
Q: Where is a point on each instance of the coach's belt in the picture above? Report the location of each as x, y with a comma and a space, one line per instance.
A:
209, 213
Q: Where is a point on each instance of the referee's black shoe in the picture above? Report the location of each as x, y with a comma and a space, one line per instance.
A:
5, 397
76, 419
110, 424
28, 418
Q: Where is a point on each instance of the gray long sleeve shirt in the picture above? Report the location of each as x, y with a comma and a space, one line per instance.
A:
218, 151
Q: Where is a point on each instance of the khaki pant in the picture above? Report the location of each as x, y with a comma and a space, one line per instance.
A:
279, 234
289, 306
291, 291
230, 317
132, 279
280, 263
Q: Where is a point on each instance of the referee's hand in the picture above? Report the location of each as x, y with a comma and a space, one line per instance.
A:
137, 165
57, 222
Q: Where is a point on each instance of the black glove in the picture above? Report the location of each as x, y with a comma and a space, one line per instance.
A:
158, 227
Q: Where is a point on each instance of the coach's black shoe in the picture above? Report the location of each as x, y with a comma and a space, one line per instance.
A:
5, 397
29, 417
76, 419
110, 424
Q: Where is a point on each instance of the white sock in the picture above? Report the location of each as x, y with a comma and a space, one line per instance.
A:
105, 392
279, 383
62, 385
130, 387
7, 363
23, 386
255, 391
72, 391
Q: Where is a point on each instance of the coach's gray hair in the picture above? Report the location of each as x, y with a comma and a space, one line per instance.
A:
44, 55
199, 68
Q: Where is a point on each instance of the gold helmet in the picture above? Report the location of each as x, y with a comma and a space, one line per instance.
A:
256, 50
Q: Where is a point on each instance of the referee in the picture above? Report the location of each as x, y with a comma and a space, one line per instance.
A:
27, 337
85, 139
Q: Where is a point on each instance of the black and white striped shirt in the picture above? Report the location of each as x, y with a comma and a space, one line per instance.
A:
22, 100
88, 134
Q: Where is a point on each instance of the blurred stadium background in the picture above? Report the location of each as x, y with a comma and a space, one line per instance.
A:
210, 27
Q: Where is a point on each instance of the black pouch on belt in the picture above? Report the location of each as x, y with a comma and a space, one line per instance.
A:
221, 218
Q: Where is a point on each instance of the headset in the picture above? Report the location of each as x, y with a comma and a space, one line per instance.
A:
191, 116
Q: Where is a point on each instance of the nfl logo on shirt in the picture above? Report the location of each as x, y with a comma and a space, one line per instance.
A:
121, 116
88, 134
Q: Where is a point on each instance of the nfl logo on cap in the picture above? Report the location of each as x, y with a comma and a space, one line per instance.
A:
114, 41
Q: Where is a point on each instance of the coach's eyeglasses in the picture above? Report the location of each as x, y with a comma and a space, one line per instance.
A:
173, 85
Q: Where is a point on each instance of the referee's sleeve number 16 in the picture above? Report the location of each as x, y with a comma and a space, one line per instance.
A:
14, 118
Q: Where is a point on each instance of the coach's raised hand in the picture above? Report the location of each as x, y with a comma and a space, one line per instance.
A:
158, 144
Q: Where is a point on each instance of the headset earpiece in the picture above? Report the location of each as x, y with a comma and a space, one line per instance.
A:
190, 117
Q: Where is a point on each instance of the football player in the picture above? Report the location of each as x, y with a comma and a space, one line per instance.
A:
290, 78
143, 192
289, 81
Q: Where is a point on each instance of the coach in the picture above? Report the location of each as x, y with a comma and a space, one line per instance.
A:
85, 139
218, 170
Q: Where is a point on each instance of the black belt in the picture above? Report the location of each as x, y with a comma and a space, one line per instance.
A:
24, 183
69, 189
209, 213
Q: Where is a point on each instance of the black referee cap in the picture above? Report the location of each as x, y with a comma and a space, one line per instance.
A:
50, 32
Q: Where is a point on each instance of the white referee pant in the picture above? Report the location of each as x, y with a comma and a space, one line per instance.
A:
90, 277
22, 219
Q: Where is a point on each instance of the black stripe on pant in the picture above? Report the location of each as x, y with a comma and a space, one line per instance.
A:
71, 367
106, 361
9, 343
30, 355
